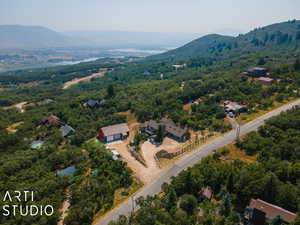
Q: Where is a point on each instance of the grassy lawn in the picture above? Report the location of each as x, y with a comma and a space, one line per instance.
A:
236, 153
245, 118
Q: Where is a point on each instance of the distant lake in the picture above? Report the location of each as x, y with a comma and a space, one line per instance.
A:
118, 53
78, 61
134, 50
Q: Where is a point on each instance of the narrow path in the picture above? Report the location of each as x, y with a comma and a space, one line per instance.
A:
191, 159
64, 209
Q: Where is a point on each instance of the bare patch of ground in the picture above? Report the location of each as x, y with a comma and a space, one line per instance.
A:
19, 106
77, 80
64, 209
236, 153
187, 107
13, 128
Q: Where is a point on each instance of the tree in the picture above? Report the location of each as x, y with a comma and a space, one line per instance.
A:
298, 35
160, 134
271, 188
278, 221
110, 91
261, 61
226, 206
297, 65
171, 200
188, 203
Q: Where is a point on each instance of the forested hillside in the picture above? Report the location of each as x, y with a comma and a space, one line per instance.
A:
276, 37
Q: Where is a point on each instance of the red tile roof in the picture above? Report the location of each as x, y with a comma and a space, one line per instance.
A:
51, 119
272, 210
265, 79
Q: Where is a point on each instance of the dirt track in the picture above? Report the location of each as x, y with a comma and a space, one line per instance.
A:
77, 80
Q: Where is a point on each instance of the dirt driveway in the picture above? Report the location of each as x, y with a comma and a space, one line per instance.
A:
148, 150
77, 80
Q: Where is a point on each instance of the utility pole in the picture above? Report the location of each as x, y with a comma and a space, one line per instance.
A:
132, 210
238, 131
132, 199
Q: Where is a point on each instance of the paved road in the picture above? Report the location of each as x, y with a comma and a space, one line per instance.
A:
191, 159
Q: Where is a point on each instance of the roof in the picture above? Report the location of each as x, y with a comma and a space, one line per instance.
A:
153, 124
265, 79
170, 127
255, 68
65, 130
176, 131
51, 119
36, 144
233, 105
46, 101
207, 192
115, 129
272, 211
92, 103
67, 171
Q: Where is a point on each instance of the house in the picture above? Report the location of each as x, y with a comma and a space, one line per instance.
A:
256, 71
50, 120
264, 80
146, 73
92, 103
46, 101
260, 212
205, 194
36, 144
113, 133
170, 128
67, 171
178, 67
234, 108
66, 130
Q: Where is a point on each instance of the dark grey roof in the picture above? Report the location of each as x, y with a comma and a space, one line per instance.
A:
91, 103
46, 101
175, 131
153, 124
170, 127
65, 130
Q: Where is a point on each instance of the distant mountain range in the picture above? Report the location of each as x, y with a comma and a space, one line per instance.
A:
28, 37
125, 39
33, 37
280, 36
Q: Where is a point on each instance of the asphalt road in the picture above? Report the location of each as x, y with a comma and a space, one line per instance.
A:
189, 160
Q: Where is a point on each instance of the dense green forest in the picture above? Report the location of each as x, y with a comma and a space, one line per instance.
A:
275, 37
150, 89
273, 178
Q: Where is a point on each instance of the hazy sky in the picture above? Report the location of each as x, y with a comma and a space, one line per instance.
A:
197, 16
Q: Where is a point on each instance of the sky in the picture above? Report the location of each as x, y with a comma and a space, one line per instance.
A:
189, 16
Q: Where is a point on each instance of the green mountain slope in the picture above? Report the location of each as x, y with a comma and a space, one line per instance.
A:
274, 37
